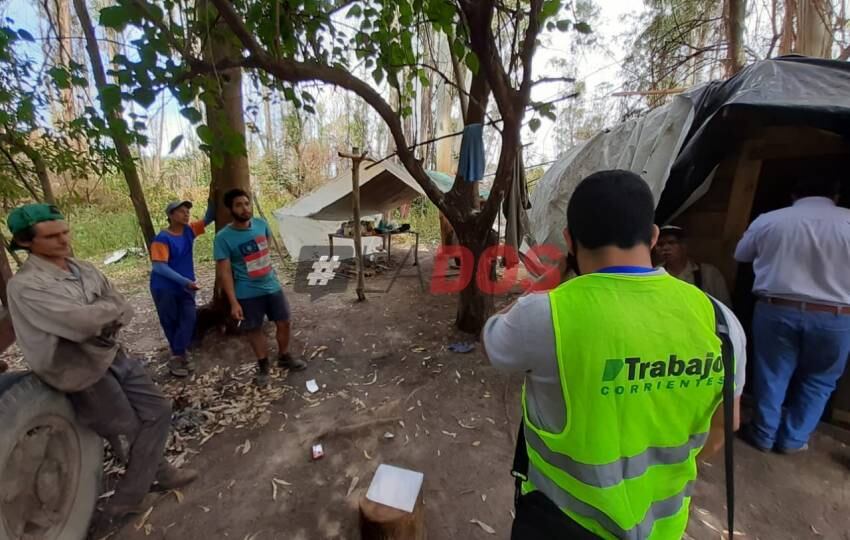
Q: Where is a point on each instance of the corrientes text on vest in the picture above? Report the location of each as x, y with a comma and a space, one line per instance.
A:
678, 374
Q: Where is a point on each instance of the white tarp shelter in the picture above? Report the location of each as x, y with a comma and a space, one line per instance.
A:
647, 146
309, 220
677, 148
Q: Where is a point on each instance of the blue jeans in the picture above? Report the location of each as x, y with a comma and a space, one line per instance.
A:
177, 317
799, 357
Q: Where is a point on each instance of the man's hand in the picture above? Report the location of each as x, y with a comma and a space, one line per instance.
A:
236, 312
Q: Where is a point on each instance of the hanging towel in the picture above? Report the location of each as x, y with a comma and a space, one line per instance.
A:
471, 165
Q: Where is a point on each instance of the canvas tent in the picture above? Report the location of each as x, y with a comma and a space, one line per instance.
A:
678, 148
309, 220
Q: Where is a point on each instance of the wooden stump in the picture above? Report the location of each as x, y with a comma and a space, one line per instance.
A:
380, 522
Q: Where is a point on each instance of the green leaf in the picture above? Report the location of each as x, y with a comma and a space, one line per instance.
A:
115, 17
472, 62
110, 97
175, 143
205, 134
459, 48
550, 8
378, 75
144, 96
583, 28
26, 111
191, 114
563, 25
534, 124
60, 77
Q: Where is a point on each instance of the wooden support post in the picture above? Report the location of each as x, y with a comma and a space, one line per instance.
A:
356, 158
380, 522
744, 183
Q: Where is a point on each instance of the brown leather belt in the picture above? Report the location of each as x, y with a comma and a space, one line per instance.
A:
807, 306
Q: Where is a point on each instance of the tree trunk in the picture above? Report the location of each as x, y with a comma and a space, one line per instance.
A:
379, 522
445, 158
426, 113
735, 15
43, 177
269, 124
225, 116
814, 28
116, 124
786, 44
157, 154
474, 304
65, 55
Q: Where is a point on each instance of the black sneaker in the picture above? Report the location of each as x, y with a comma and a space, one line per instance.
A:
285, 361
262, 377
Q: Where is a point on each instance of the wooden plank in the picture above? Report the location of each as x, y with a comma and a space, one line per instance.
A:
744, 184
796, 142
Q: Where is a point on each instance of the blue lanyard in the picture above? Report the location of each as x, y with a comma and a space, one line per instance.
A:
625, 270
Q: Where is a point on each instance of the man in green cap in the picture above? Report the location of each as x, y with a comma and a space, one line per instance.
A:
67, 317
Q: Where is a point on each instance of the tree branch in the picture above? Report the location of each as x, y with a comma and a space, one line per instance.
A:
19, 174
481, 42
544, 80
529, 44
295, 72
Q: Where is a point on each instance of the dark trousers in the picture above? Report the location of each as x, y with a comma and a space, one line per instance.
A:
177, 316
125, 401
538, 518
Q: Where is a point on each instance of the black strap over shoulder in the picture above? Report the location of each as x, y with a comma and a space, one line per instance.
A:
726, 350
520, 467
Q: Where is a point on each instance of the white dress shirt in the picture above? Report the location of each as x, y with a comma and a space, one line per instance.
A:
801, 252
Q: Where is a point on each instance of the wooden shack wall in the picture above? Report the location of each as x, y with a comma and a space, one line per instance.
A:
716, 221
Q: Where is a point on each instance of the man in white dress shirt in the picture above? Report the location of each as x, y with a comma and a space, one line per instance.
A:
801, 325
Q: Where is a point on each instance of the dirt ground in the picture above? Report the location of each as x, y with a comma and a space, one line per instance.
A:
451, 416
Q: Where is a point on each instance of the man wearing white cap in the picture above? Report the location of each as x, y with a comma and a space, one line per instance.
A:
672, 248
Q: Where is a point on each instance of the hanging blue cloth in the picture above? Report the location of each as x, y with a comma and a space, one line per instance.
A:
471, 165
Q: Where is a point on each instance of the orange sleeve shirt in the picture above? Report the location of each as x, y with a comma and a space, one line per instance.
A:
198, 227
159, 252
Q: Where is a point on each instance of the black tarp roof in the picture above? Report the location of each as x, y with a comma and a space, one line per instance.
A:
785, 91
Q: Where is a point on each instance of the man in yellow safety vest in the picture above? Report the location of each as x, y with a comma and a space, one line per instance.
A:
624, 376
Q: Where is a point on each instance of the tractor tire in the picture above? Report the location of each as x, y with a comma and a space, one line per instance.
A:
50, 466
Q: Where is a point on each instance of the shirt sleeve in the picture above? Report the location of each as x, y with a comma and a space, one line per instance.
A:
159, 252
59, 316
739, 348
522, 339
220, 249
715, 284
747, 249
167, 272
198, 227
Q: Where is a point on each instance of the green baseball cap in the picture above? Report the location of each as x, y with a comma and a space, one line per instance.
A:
28, 215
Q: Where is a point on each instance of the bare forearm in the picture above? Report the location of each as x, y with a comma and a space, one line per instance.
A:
714, 444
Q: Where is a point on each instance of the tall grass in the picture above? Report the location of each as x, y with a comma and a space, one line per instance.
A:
424, 218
